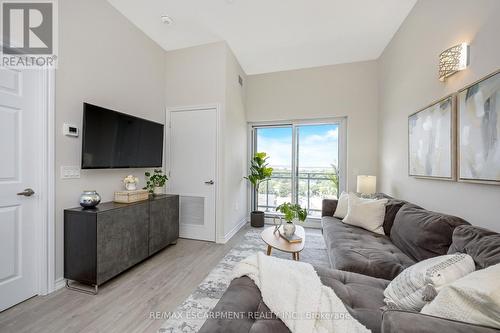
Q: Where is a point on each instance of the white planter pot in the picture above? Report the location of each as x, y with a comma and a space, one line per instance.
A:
131, 186
289, 229
158, 190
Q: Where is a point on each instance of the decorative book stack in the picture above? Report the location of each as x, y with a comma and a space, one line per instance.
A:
131, 196
292, 239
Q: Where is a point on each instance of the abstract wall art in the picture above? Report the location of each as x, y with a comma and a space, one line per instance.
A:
479, 131
431, 141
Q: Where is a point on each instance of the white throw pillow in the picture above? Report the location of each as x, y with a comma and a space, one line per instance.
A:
474, 299
342, 204
366, 213
418, 284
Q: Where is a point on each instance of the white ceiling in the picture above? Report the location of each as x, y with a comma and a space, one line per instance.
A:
274, 35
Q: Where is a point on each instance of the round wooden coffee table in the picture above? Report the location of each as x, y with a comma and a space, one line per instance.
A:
274, 240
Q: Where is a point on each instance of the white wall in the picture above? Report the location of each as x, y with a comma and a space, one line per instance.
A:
408, 82
330, 91
208, 74
235, 151
196, 75
105, 60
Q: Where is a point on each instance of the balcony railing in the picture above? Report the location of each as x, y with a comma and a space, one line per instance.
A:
312, 188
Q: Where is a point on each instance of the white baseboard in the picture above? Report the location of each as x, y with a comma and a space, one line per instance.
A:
59, 284
233, 231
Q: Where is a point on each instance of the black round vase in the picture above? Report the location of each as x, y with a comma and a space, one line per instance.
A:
257, 219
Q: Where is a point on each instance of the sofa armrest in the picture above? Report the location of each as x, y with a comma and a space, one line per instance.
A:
328, 207
413, 322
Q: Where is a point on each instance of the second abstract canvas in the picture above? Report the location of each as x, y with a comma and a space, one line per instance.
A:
479, 131
431, 141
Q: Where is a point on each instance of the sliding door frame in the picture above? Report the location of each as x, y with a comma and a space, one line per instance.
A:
294, 124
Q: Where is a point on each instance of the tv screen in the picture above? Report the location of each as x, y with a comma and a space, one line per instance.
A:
112, 139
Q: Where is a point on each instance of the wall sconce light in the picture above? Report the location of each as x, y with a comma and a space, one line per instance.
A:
452, 60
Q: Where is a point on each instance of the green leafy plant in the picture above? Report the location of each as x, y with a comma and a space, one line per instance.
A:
156, 179
259, 170
292, 211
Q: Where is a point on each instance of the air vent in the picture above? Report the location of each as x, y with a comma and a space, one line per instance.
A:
240, 80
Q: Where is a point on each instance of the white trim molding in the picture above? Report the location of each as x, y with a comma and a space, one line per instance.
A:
59, 284
233, 231
45, 230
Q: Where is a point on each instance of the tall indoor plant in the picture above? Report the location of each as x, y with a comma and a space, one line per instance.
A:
334, 177
259, 172
291, 213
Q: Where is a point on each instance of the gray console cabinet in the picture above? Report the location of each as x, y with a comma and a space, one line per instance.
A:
102, 242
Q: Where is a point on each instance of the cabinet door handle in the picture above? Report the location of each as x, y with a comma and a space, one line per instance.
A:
210, 182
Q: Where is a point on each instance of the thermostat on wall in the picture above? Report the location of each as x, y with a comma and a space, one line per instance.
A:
70, 130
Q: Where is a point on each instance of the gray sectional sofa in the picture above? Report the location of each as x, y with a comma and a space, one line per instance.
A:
363, 264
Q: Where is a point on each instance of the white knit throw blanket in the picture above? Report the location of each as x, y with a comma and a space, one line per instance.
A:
294, 292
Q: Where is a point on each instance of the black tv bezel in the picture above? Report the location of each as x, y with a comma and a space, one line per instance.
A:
85, 104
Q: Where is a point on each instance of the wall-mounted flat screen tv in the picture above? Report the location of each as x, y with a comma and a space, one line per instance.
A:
112, 140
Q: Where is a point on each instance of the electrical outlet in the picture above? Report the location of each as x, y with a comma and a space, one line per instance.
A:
70, 172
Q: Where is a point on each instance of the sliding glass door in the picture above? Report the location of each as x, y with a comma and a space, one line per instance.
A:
308, 159
277, 143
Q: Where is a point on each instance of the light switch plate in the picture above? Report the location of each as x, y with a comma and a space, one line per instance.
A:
70, 172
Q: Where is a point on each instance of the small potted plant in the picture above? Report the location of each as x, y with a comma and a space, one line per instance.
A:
130, 183
291, 212
259, 173
155, 181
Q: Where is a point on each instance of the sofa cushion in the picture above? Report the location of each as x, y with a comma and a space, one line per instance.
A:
362, 296
481, 244
366, 213
328, 207
357, 250
241, 309
342, 206
474, 299
423, 234
391, 209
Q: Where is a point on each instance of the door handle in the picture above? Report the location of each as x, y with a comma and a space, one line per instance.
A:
27, 192
210, 182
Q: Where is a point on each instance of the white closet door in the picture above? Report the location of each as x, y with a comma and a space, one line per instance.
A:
193, 166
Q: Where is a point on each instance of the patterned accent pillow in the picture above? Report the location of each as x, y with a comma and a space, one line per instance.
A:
418, 284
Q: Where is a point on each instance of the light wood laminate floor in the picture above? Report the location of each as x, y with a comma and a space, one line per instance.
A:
123, 304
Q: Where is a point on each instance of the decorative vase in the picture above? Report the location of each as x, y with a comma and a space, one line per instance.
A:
158, 190
89, 199
131, 186
289, 229
257, 219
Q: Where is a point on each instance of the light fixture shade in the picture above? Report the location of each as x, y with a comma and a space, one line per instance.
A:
367, 184
452, 60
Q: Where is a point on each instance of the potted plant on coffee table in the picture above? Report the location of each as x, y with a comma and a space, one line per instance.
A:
291, 212
259, 172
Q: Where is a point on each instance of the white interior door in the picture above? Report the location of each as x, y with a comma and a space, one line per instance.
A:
193, 167
18, 165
